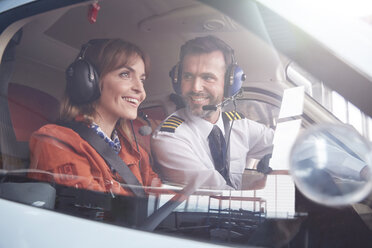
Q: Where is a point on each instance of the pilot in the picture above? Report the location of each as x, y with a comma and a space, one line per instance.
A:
200, 144
105, 102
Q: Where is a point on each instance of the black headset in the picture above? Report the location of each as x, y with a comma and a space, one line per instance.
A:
234, 77
82, 79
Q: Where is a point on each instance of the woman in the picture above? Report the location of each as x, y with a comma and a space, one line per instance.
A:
120, 69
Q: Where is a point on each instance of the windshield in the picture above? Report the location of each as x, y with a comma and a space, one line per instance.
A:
343, 27
234, 124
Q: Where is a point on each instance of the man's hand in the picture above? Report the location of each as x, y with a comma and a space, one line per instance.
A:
253, 180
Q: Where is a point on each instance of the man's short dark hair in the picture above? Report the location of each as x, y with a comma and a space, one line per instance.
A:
207, 44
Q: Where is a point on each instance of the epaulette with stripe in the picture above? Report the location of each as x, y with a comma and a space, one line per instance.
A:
233, 115
171, 124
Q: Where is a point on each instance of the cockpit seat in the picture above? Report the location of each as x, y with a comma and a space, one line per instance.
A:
25, 110
30, 109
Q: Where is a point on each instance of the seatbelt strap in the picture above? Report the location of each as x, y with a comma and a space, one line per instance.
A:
108, 154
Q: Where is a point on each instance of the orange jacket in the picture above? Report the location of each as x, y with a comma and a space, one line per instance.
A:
68, 159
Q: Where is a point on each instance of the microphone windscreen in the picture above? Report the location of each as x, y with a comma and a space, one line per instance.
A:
210, 107
145, 130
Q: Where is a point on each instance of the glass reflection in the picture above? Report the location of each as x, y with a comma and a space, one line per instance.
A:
331, 165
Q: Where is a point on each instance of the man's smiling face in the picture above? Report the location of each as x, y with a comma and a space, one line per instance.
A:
203, 77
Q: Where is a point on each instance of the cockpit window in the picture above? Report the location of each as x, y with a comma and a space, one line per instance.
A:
329, 99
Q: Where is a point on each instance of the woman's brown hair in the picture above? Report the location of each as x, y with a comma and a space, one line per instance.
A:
105, 55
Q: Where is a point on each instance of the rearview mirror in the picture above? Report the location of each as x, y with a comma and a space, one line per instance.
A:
331, 165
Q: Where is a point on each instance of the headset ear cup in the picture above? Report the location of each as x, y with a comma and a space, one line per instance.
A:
233, 80
82, 82
175, 76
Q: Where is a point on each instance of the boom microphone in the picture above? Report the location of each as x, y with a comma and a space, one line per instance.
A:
209, 107
221, 104
146, 129
215, 107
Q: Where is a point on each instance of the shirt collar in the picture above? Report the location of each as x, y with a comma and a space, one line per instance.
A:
113, 142
205, 127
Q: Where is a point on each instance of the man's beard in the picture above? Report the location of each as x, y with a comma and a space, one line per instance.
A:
197, 110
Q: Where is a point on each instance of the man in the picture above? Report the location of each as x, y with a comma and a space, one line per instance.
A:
182, 145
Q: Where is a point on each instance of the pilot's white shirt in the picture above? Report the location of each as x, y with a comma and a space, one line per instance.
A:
183, 155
